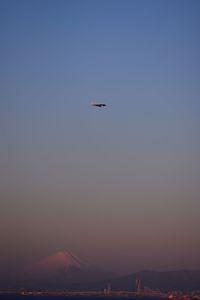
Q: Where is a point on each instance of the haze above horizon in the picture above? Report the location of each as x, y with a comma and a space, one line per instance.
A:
119, 186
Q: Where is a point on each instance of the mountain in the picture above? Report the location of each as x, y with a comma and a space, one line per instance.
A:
185, 281
60, 261
65, 270
165, 281
60, 270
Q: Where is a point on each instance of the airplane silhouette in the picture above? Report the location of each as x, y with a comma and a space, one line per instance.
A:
98, 104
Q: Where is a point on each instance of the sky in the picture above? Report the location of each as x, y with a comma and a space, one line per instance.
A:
119, 186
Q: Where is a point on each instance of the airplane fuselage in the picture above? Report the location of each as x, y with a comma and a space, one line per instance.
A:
98, 104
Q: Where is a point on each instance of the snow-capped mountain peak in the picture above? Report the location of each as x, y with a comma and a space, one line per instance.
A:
61, 260
60, 270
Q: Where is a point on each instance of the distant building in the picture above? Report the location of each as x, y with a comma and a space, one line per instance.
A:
138, 285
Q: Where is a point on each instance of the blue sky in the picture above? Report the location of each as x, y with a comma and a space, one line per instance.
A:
72, 174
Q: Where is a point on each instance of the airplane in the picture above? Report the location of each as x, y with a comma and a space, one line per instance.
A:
98, 104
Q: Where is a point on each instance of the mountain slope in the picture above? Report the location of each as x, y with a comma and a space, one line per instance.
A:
62, 260
60, 270
185, 281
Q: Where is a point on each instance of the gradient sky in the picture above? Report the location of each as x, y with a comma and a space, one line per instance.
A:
119, 186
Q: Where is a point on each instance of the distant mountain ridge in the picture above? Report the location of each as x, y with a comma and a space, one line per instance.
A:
182, 280
185, 281
65, 270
